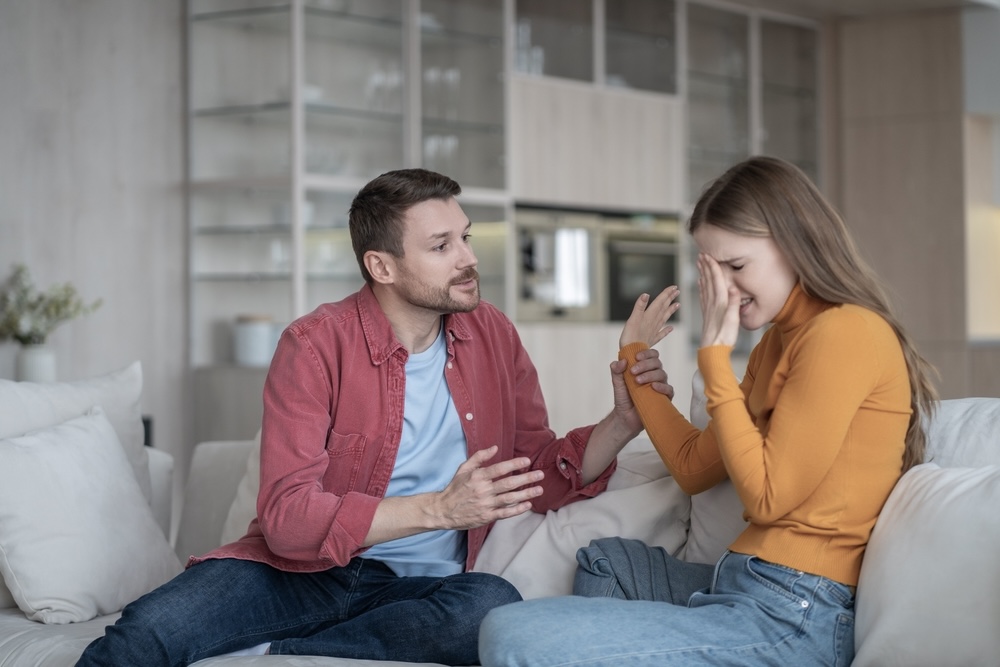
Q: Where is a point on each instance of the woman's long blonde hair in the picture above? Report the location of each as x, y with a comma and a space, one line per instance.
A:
765, 196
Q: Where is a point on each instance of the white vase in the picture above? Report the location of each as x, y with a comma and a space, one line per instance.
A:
36, 363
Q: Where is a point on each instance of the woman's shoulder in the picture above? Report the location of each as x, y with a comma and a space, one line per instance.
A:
850, 316
846, 326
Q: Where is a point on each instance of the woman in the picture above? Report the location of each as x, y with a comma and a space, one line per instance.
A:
825, 421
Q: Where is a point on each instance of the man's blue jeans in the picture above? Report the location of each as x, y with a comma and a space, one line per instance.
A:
362, 610
650, 613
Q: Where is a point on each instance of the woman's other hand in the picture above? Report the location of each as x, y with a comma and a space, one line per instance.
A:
720, 304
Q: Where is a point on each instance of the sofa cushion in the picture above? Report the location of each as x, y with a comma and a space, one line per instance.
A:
26, 406
927, 595
77, 537
244, 507
964, 432
716, 514
537, 553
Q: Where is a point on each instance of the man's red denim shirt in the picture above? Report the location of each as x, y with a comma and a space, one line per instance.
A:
333, 415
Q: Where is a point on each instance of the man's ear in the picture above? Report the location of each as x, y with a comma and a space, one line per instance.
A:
381, 266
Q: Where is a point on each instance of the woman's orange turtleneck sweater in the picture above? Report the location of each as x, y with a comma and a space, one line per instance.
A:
812, 438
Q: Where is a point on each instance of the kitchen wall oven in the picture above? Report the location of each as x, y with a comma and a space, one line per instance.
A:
591, 266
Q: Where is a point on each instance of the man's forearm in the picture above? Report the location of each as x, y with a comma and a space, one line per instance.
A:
401, 516
606, 441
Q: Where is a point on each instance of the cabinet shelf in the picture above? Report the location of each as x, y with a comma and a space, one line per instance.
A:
326, 24
245, 17
262, 230
241, 230
718, 79
277, 112
258, 276
435, 37
450, 125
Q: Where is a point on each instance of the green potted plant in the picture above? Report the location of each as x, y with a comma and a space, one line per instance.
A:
28, 316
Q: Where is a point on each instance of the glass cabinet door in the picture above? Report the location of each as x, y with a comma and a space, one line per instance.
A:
555, 38
718, 93
789, 72
353, 88
241, 265
239, 90
462, 91
331, 268
640, 45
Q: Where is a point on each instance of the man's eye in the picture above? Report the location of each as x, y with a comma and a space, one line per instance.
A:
441, 247
736, 267
467, 238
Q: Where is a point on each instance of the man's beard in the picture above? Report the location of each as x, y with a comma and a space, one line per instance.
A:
439, 299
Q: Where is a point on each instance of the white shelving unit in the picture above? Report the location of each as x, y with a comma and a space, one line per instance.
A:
294, 106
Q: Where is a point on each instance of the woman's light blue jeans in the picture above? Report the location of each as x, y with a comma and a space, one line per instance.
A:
362, 610
636, 605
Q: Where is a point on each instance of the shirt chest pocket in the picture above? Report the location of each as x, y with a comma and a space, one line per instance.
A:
347, 461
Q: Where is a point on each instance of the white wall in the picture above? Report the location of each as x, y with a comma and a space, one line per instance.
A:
91, 156
573, 361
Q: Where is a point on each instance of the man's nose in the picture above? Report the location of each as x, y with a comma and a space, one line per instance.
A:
468, 257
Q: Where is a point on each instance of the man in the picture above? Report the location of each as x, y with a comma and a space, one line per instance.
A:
399, 425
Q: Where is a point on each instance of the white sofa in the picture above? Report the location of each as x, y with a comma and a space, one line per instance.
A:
929, 591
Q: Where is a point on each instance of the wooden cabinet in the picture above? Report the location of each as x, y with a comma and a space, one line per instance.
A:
584, 146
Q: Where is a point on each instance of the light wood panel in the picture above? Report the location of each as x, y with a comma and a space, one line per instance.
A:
902, 65
572, 360
903, 198
579, 145
901, 173
984, 370
91, 170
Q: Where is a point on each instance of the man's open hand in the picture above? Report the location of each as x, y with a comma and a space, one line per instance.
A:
479, 494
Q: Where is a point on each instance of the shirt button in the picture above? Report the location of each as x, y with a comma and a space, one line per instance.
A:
449, 365
805, 604
562, 465
468, 416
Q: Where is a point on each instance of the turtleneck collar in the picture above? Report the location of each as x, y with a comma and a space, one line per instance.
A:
799, 308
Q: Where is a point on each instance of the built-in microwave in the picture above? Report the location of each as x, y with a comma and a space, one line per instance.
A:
591, 266
639, 261
561, 266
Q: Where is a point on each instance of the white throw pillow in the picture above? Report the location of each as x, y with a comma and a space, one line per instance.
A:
77, 538
537, 553
27, 406
244, 507
928, 592
716, 514
964, 433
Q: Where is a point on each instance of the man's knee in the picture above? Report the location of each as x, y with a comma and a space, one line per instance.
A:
489, 591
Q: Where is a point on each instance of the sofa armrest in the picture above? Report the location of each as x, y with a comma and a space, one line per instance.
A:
161, 474
216, 470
